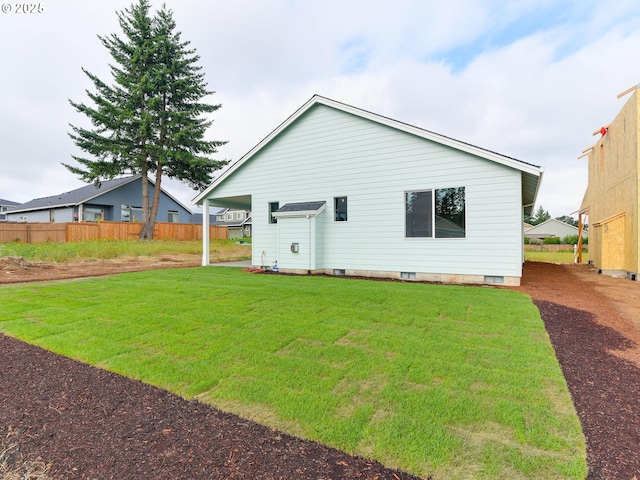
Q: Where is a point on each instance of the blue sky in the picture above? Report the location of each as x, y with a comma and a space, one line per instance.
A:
528, 79
506, 31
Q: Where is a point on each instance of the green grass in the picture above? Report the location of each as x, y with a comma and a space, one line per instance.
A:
110, 249
553, 257
449, 381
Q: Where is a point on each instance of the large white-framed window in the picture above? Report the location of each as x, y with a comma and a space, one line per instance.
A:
435, 213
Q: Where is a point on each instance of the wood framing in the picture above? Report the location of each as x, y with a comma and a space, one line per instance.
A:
613, 192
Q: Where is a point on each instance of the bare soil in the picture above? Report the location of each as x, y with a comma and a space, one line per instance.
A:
88, 423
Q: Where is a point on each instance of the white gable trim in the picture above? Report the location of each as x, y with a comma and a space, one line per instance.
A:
426, 134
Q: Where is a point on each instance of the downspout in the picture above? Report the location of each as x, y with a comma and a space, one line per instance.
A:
205, 232
309, 243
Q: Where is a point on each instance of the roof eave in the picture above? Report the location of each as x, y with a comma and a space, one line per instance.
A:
426, 134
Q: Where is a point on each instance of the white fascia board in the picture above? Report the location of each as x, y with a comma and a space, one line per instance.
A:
300, 213
317, 99
199, 198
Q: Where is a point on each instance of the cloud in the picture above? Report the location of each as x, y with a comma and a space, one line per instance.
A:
528, 79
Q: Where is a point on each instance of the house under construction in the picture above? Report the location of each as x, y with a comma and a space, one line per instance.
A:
613, 192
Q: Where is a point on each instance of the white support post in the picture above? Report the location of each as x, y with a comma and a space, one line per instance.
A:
205, 232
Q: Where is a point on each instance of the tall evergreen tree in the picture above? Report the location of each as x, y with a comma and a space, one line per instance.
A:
150, 121
539, 216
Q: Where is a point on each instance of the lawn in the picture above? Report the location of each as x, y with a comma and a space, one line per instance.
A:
563, 256
109, 249
449, 381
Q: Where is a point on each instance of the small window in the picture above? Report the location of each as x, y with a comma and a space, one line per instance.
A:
172, 216
240, 215
52, 215
340, 209
230, 216
273, 206
125, 213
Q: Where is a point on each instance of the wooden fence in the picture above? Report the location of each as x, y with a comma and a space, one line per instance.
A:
77, 232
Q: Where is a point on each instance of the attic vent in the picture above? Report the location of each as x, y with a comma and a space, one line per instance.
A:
408, 275
339, 271
493, 279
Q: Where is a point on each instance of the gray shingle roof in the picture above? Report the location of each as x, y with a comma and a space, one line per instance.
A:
301, 207
75, 197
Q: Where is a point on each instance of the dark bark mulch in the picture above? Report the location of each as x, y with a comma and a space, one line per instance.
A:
91, 424
604, 387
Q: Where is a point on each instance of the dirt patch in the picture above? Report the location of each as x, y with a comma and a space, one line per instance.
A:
16, 269
93, 424
614, 301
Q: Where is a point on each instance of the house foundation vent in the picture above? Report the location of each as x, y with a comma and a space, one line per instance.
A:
339, 271
408, 275
493, 279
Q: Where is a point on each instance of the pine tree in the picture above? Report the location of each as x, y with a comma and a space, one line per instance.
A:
150, 121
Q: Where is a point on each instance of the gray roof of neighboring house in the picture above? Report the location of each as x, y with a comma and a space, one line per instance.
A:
79, 196
8, 203
74, 197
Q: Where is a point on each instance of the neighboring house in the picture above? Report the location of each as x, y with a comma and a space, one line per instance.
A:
552, 228
4, 206
343, 191
238, 222
118, 200
613, 192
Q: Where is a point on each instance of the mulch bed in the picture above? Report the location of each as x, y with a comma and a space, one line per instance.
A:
89, 423
92, 424
604, 387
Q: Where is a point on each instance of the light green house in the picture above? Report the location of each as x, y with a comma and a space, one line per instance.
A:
339, 190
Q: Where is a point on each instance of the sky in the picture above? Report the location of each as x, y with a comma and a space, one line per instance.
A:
530, 79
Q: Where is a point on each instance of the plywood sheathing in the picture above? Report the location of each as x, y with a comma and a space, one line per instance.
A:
613, 192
